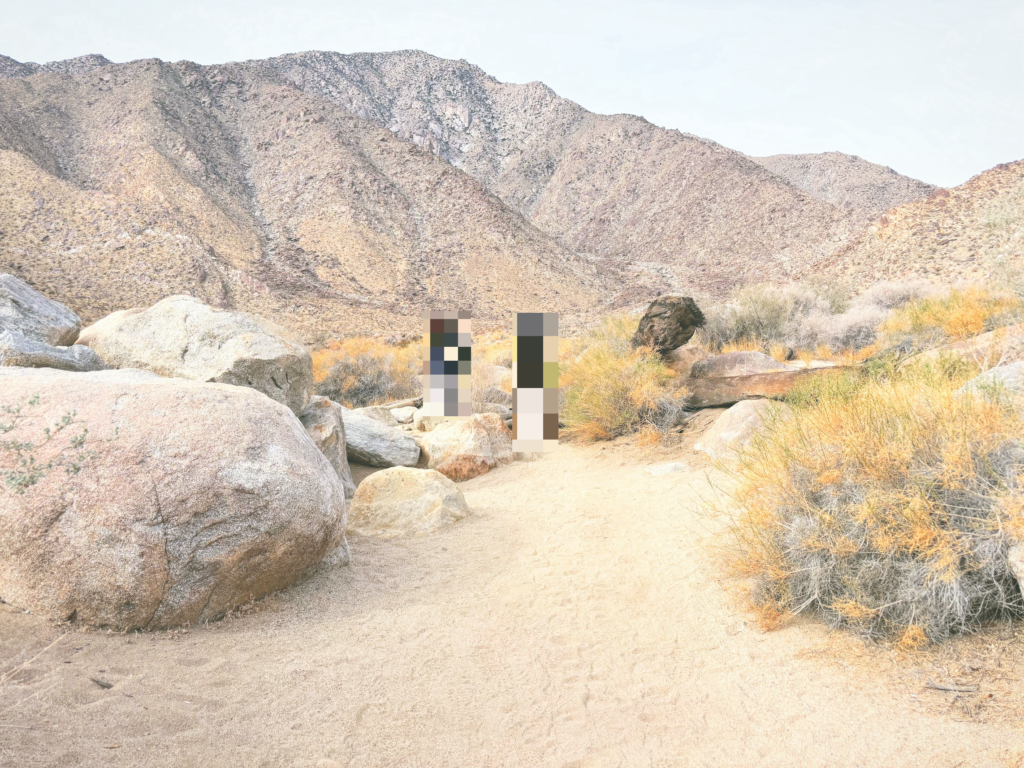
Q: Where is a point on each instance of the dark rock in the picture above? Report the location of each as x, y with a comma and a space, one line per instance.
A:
669, 322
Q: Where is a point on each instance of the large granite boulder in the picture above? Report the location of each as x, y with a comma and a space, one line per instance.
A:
368, 441
735, 428
324, 424
669, 322
22, 352
402, 501
25, 310
736, 364
157, 502
463, 449
184, 338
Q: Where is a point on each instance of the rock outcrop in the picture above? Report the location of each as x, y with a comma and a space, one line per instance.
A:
735, 428
1001, 379
463, 449
25, 310
162, 502
669, 322
401, 501
324, 424
726, 390
736, 364
184, 338
22, 352
368, 441
379, 413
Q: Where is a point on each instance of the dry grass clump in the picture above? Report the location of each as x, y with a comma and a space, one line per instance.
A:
952, 316
608, 388
364, 371
886, 504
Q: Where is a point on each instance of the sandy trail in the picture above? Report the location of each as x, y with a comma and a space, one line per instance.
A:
575, 620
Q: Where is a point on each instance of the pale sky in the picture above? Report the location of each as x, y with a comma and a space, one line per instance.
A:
934, 89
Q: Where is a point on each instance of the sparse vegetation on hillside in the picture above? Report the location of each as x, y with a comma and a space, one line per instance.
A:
886, 503
608, 388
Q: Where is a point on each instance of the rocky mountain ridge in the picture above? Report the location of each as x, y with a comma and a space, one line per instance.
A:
342, 193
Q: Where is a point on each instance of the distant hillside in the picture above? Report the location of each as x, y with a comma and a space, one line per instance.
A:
344, 194
681, 210
958, 233
847, 181
134, 181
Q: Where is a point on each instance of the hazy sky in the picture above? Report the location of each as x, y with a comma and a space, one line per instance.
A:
933, 89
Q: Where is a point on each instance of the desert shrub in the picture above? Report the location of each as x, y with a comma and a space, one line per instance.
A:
885, 503
951, 316
363, 371
608, 388
806, 316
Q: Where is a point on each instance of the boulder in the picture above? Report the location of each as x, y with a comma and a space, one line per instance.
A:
106, 325
23, 352
682, 359
182, 337
669, 322
735, 428
25, 310
496, 395
463, 449
712, 393
500, 436
404, 415
368, 441
735, 364
168, 502
401, 501
323, 422
380, 413
424, 422
1003, 378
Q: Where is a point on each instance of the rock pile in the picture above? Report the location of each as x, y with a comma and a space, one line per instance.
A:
36, 332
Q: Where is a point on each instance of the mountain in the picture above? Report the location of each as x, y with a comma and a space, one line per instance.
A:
343, 194
689, 212
964, 233
847, 181
134, 181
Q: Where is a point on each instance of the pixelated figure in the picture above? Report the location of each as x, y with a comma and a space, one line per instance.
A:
447, 385
535, 383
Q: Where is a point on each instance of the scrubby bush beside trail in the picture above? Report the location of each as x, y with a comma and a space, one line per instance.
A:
885, 503
608, 388
361, 371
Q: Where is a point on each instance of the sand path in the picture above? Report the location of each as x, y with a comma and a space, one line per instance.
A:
576, 620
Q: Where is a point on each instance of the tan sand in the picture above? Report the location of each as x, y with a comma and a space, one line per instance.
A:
577, 620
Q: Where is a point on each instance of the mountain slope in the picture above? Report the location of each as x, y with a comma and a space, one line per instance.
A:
133, 181
959, 233
847, 181
691, 212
